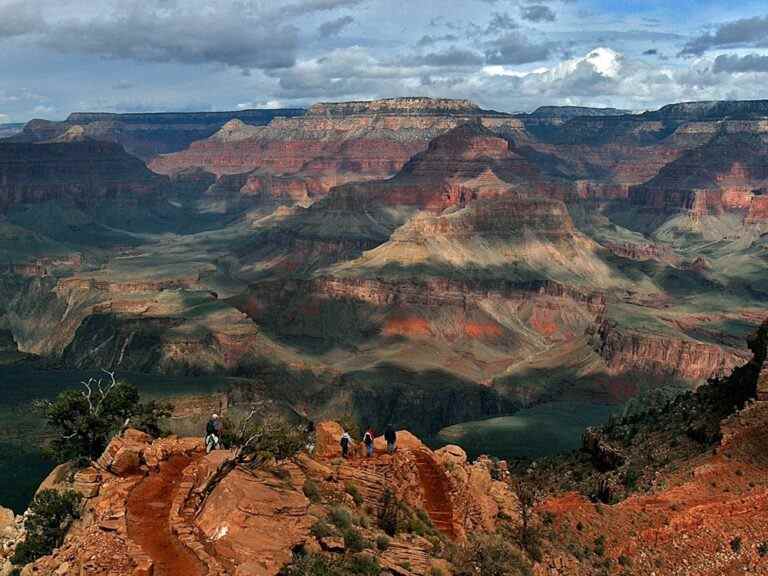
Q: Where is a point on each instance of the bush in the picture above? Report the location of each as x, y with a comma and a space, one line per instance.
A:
50, 515
321, 529
324, 565
490, 556
762, 549
354, 541
353, 491
341, 518
86, 419
736, 544
389, 513
312, 491
600, 545
382, 543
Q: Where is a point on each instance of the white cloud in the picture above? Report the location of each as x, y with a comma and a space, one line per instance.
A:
4, 118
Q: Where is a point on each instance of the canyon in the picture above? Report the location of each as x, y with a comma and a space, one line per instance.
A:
414, 261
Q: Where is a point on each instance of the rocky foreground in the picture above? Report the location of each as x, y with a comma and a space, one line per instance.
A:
145, 512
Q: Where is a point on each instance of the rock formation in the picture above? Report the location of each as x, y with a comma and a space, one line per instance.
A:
81, 172
144, 513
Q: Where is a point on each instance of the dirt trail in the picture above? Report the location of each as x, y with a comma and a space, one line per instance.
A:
436, 488
149, 505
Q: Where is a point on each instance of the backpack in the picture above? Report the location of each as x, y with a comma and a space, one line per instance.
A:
344, 441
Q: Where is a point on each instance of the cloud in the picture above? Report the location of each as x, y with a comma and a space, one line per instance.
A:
744, 32
248, 35
429, 40
651, 52
515, 48
334, 27
452, 57
4, 119
537, 13
730, 63
19, 19
501, 22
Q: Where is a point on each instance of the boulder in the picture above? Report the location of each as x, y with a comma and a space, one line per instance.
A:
327, 437
126, 461
254, 521
451, 453
58, 479
87, 482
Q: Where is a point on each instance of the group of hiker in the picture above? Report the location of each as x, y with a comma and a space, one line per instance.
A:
215, 427
390, 436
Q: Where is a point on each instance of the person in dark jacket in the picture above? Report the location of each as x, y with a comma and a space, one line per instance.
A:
391, 437
213, 430
345, 441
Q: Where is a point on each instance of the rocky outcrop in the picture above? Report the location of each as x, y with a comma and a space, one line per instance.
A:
629, 351
78, 172
718, 176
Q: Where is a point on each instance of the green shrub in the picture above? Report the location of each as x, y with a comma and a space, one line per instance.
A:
341, 518
325, 565
490, 556
353, 491
312, 491
762, 549
321, 529
354, 541
736, 544
630, 479
50, 515
382, 543
389, 513
600, 545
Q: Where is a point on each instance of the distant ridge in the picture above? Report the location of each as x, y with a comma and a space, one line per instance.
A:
574, 111
250, 116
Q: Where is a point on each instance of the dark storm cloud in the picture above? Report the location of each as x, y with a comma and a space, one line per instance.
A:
537, 13
334, 27
19, 19
734, 63
245, 35
651, 52
515, 48
744, 32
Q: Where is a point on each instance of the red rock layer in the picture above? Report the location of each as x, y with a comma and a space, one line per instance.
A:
625, 351
80, 172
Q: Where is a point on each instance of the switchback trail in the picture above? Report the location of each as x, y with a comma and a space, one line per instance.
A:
149, 506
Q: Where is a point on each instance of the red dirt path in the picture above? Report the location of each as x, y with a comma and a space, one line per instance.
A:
436, 502
149, 505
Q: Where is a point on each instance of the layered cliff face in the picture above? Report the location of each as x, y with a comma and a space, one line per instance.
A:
721, 175
332, 144
80, 172
146, 135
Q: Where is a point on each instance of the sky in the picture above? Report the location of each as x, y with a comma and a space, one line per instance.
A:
61, 56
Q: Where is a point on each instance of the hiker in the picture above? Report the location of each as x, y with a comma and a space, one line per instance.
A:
213, 431
368, 441
346, 440
310, 430
391, 437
